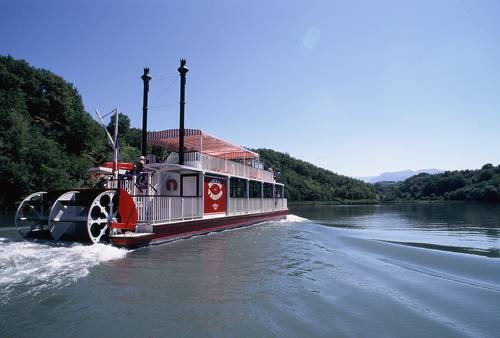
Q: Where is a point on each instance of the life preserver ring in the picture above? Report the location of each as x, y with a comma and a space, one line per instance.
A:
215, 189
171, 185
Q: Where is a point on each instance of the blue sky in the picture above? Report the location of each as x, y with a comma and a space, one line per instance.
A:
358, 87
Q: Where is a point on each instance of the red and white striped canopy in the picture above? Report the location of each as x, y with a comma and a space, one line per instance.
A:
197, 140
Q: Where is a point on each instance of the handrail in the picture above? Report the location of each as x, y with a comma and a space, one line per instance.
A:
155, 209
163, 209
213, 163
155, 195
131, 186
244, 205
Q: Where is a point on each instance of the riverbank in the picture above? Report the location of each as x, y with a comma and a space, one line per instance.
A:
379, 202
336, 202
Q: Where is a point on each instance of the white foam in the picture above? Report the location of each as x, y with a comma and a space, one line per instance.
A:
294, 219
34, 266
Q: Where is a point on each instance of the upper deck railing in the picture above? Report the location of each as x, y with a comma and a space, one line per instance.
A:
217, 164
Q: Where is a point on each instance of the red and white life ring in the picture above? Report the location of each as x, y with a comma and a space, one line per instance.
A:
215, 189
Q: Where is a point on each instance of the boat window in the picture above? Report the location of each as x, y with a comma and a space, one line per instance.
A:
190, 185
255, 189
278, 191
238, 187
268, 190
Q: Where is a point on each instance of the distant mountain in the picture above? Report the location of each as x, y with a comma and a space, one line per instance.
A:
397, 176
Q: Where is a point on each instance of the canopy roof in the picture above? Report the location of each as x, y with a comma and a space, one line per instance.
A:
197, 140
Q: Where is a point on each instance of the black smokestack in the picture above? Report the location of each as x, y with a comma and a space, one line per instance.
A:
145, 78
182, 71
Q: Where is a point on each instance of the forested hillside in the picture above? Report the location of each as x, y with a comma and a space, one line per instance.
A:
47, 140
307, 182
464, 185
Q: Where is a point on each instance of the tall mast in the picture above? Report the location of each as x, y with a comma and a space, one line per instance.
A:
145, 78
182, 72
115, 150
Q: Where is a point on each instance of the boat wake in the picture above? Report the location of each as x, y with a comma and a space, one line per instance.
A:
27, 268
294, 219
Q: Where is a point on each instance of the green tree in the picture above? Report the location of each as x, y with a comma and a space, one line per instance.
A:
47, 140
463, 185
307, 182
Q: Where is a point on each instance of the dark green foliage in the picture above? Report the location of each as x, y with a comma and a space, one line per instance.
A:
130, 140
47, 140
306, 182
464, 185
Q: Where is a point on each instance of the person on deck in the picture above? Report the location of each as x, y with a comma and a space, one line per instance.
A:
140, 172
139, 165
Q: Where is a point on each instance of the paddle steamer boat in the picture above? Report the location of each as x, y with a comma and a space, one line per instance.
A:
205, 184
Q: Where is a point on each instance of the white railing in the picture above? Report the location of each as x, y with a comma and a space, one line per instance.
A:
149, 185
245, 205
160, 209
126, 184
155, 209
217, 164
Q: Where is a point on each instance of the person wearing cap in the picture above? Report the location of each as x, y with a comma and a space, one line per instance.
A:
139, 165
140, 171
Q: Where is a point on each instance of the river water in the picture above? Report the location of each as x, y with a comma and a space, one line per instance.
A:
413, 270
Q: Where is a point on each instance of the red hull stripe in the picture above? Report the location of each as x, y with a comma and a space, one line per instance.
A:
194, 227
167, 232
131, 242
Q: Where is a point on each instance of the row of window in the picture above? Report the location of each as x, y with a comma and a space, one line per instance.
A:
238, 188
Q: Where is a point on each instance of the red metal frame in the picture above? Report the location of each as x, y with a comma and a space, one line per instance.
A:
121, 165
127, 211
